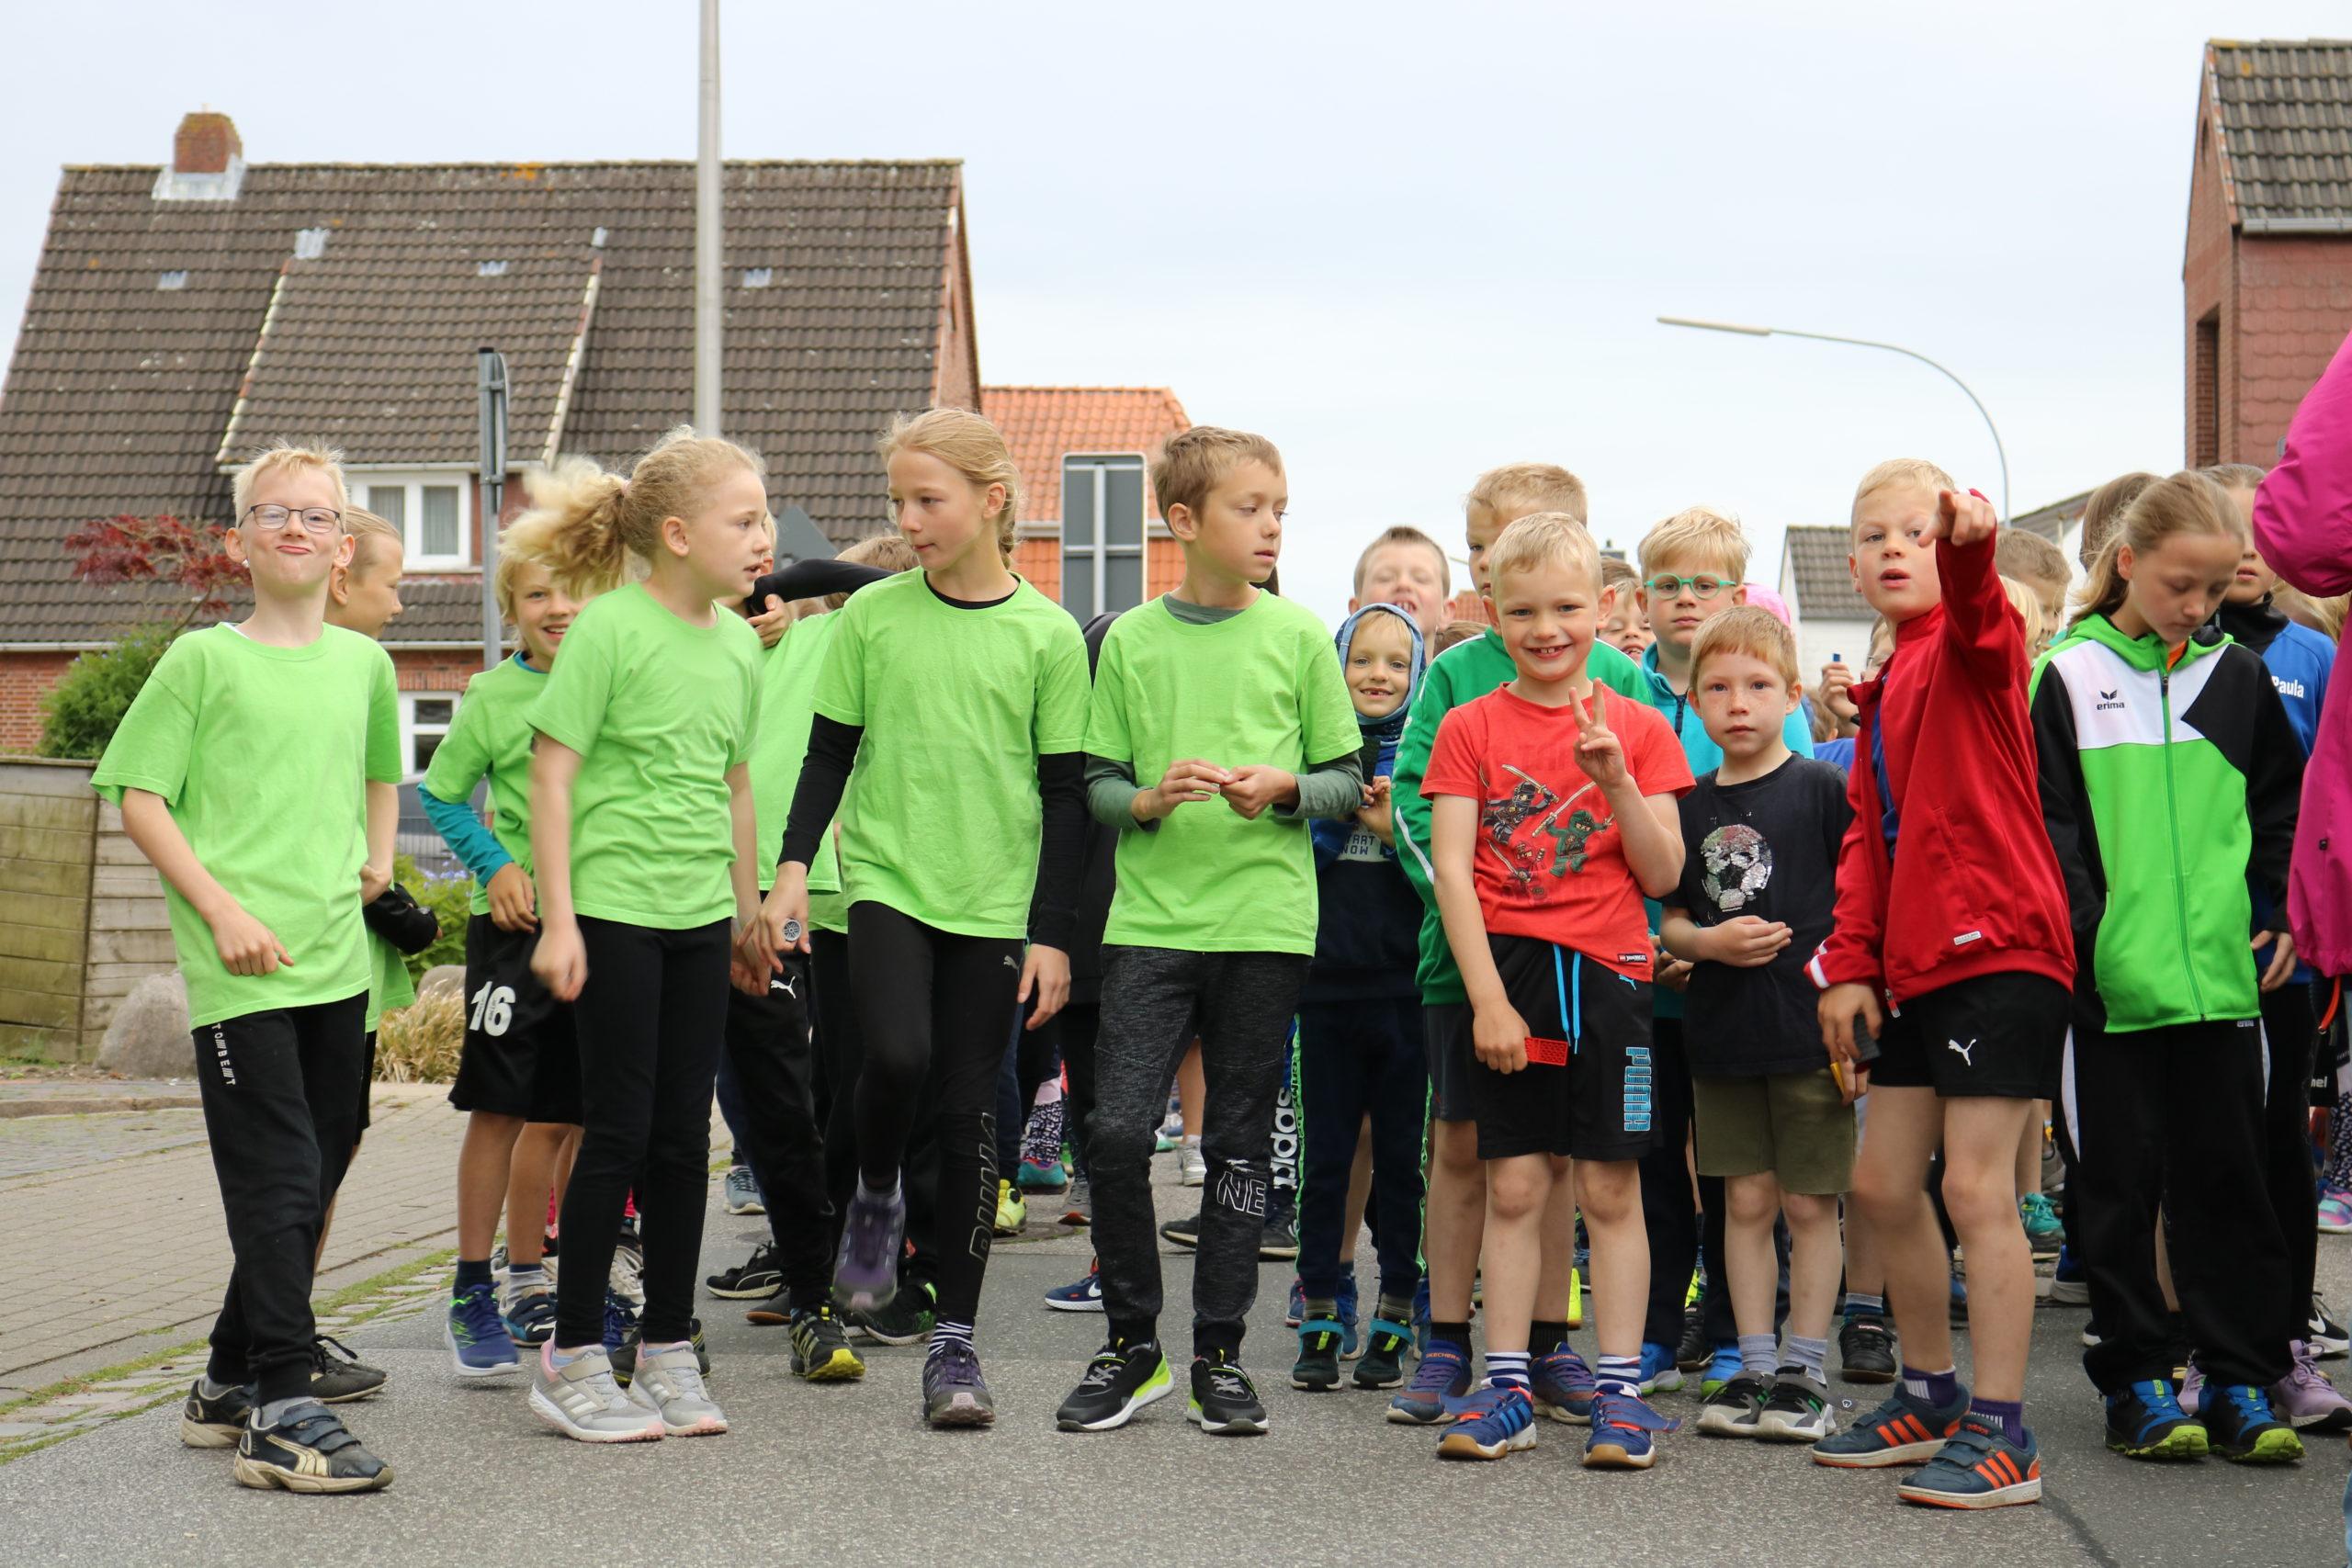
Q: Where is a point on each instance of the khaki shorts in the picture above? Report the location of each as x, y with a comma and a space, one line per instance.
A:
1795, 1125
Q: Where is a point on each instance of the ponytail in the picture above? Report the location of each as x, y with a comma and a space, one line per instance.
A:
2187, 502
583, 523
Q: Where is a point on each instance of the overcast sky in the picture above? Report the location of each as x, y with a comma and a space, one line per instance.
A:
1407, 243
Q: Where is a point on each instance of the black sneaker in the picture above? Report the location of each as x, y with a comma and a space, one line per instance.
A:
1185, 1233
1696, 1349
215, 1423
1731, 1410
1383, 1365
755, 1278
1317, 1368
1224, 1399
1796, 1411
820, 1351
623, 1355
2241, 1427
1280, 1242
905, 1319
1866, 1350
1120, 1380
306, 1450
338, 1377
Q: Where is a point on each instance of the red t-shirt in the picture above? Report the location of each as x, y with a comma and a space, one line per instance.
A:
1549, 861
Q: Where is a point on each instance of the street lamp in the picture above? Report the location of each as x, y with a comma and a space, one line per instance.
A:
1998, 449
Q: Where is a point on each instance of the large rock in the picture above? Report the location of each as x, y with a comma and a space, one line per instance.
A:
148, 1036
441, 977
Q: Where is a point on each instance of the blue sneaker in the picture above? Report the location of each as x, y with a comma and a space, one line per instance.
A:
1978, 1467
1903, 1430
1295, 1310
2069, 1286
1659, 1374
1722, 1366
1959, 1301
1422, 1316
1563, 1387
1350, 1319
530, 1319
1086, 1295
1443, 1374
478, 1342
1624, 1429
2244, 1430
1502, 1421
865, 1271
2145, 1421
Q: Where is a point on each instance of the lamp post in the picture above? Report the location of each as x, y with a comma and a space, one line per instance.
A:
708, 236
1998, 450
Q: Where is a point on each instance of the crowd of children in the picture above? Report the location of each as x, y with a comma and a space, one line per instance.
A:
1599, 954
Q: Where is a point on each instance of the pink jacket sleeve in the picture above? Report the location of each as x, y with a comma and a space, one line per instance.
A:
2302, 514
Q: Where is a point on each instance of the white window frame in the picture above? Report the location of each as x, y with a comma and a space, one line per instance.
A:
411, 729
414, 482
1091, 556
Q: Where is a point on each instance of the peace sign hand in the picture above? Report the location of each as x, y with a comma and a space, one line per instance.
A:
1599, 751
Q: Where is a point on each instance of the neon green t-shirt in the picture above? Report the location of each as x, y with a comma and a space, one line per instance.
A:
263, 756
492, 736
788, 674
389, 986
1259, 687
942, 819
659, 711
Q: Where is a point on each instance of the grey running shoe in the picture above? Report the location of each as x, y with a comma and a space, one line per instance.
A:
1078, 1208
669, 1384
866, 1273
953, 1393
743, 1192
582, 1401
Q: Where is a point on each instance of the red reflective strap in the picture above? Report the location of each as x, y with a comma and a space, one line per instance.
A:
1543, 1052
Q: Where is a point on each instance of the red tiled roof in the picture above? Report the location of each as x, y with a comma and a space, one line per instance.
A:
1043, 424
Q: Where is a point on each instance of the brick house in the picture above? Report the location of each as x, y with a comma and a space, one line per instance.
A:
184, 315
1090, 534
2266, 276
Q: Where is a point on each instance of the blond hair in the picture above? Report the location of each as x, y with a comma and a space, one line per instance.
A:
1915, 473
1540, 539
1545, 486
1406, 533
506, 582
2027, 605
280, 455
2235, 476
2326, 614
1750, 629
2105, 505
2022, 553
974, 449
1453, 632
1693, 535
890, 551
367, 532
584, 524
2187, 502
1190, 464
1616, 571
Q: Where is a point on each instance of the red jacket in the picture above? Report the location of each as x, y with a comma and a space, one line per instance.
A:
1973, 887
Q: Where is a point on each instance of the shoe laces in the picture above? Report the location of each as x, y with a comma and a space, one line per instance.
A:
2253, 1405
1108, 1362
685, 1376
2305, 1372
951, 1361
1230, 1380
321, 1344
2157, 1396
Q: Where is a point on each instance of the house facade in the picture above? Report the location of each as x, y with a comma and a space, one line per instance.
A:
1832, 618
1092, 538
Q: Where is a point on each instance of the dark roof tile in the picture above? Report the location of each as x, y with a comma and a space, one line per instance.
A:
2283, 108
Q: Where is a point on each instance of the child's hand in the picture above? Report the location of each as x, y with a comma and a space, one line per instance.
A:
514, 902
1837, 693
783, 913
247, 947
1191, 779
1253, 787
1499, 1035
1840, 1007
750, 962
1381, 818
1046, 974
1964, 518
2281, 968
772, 621
1746, 943
373, 881
1670, 972
1599, 751
560, 960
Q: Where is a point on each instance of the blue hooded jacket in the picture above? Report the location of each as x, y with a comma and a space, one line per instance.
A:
1367, 943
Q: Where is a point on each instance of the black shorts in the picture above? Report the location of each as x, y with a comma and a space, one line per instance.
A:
1445, 1041
1600, 1102
367, 1089
2001, 1036
521, 1056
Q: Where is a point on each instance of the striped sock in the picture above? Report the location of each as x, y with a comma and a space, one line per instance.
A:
2009, 1415
1507, 1369
944, 1334
1936, 1390
1620, 1374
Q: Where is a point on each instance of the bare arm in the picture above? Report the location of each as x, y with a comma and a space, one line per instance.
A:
559, 960
247, 947
1650, 827
1683, 936
1497, 1034
383, 827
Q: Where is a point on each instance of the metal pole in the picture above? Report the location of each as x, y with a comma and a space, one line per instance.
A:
707, 234
1998, 450
490, 383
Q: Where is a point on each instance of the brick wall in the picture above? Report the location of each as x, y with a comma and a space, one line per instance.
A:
2293, 304
2205, 275
25, 680
428, 670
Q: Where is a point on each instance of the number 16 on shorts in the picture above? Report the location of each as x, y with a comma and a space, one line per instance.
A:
493, 1009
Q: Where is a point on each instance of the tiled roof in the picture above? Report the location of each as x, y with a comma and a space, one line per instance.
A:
2053, 521
122, 393
1041, 424
2283, 109
1813, 567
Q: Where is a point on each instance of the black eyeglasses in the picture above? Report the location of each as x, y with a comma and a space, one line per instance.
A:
276, 519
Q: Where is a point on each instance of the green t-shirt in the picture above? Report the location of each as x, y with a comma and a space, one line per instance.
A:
1263, 686
389, 987
787, 704
659, 711
492, 736
263, 755
943, 818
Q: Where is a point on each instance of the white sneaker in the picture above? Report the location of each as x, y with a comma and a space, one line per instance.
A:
669, 1384
1196, 1165
583, 1402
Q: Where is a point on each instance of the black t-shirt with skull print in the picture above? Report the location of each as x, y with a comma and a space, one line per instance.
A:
1766, 848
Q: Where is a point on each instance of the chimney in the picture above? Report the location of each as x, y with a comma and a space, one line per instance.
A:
205, 144
207, 160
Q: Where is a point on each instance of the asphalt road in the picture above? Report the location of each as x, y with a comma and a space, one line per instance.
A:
847, 1474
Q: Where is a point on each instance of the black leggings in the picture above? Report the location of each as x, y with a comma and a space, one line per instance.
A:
932, 1006
2291, 1034
841, 1057
651, 1021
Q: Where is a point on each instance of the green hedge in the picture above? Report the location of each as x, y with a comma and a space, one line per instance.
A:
82, 711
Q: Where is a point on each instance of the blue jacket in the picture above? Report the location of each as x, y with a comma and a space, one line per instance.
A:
1367, 941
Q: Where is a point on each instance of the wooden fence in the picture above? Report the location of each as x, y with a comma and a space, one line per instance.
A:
81, 916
